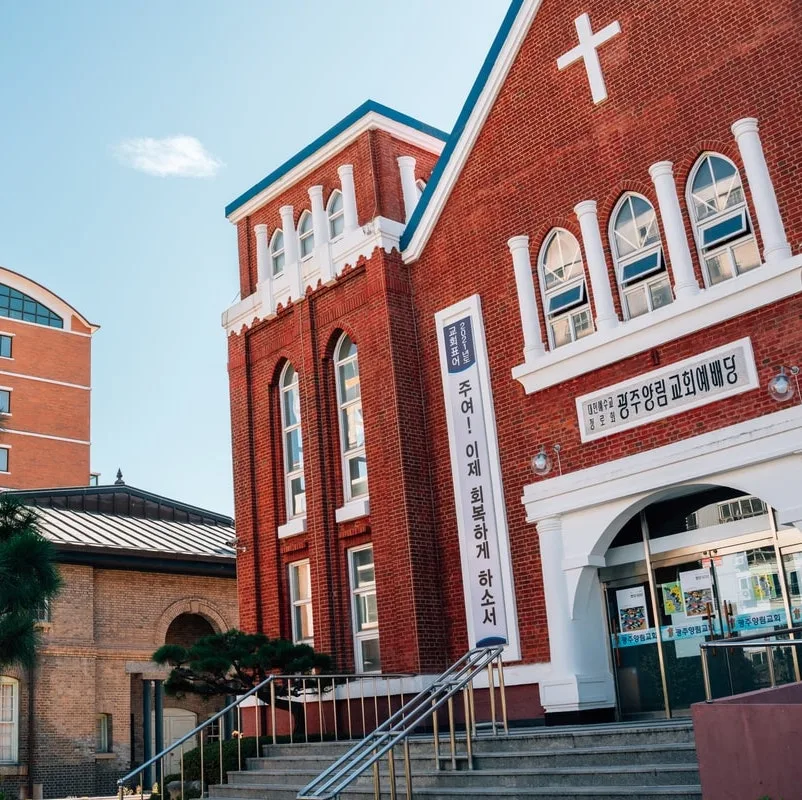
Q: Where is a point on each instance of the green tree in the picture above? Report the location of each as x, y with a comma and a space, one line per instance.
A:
29, 579
233, 663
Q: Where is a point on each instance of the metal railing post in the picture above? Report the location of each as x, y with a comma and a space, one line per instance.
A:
770, 664
272, 710
706, 674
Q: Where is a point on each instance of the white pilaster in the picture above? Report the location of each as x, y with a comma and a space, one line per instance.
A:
264, 274
606, 318
772, 232
350, 219
320, 222
527, 301
406, 164
292, 263
679, 254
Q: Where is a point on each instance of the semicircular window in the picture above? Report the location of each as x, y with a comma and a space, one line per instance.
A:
16, 305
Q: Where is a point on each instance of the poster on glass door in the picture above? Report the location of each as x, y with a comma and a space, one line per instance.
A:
632, 609
697, 592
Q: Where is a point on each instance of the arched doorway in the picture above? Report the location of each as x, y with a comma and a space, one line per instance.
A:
186, 629
705, 562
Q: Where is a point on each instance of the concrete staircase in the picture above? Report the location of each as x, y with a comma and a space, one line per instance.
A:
605, 761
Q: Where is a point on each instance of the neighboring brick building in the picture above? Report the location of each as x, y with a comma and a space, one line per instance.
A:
139, 570
558, 373
45, 366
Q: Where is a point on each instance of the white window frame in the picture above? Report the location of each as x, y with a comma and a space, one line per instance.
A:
296, 601
343, 405
369, 632
10, 337
290, 473
336, 217
645, 283
306, 236
278, 255
700, 226
741, 508
569, 283
8, 391
7, 470
14, 721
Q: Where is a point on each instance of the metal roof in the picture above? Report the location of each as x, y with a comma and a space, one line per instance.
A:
150, 536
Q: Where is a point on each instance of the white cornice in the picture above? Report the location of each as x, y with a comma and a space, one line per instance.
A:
371, 121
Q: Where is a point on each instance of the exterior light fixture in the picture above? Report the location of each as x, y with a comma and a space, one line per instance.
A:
783, 387
541, 463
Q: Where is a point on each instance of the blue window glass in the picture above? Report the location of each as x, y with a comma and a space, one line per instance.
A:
5, 346
642, 267
567, 299
719, 233
3, 459
16, 305
5, 401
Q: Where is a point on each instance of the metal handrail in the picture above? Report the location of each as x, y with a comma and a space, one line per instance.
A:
742, 641
399, 727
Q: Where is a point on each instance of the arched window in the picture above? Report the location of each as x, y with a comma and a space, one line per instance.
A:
565, 296
294, 486
721, 223
277, 252
336, 214
9, 719
16, 305
639, 261
352, 434
306, 234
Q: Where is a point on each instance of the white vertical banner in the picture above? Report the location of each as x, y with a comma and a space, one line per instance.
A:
476, 473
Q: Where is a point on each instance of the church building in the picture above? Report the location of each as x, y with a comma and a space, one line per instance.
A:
536, 381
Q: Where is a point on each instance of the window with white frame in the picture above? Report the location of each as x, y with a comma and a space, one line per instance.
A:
721, 223
565, 294
303, 629
4, 453
277, 252
639, 260
336, 215
352, 433
5, 345
741, 508
306, 235
9, 719
364, 611
42, 613
294, 485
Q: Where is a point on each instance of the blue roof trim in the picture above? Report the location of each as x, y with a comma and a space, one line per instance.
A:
321, 141
462, 121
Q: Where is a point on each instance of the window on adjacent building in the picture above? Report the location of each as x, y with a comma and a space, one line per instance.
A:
336, 214
9, 719
277, 252
5, 401
103, 744
303, 631
43, 613
364, 610
565, 295
4, 459
5, 345
741, 508
16, 305
639, 259
352, 434
295, 489
306, 235
721, 223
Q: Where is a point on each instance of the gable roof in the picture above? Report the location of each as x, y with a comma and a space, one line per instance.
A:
369, 115
469, 124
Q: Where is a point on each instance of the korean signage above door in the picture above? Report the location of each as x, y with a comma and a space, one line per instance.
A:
481, 519
694, 382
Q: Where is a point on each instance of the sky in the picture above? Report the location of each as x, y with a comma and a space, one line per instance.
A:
125, 129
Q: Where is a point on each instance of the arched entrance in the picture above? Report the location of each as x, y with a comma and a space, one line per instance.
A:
705, 562
186, 629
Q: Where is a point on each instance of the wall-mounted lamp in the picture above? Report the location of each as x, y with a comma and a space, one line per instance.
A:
782, 387
542, 463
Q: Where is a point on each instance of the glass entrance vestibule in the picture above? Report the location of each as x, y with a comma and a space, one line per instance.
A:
709, 563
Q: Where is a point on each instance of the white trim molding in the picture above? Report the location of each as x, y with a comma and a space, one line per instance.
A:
354, 509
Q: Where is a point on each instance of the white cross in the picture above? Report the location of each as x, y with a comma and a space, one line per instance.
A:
589, 42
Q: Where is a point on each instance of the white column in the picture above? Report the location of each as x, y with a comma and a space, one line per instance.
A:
292, 263
350, 219
606, 318
775, 243
320, 222
406, 164
679, 254
263, 272
527, 300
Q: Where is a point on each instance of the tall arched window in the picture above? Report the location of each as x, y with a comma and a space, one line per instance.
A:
565, 296
352, 434
306, 234
721, 223
277, 252
336, 214
294, 486
9, 719
639, 261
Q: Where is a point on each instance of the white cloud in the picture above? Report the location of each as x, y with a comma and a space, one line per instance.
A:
182, 156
